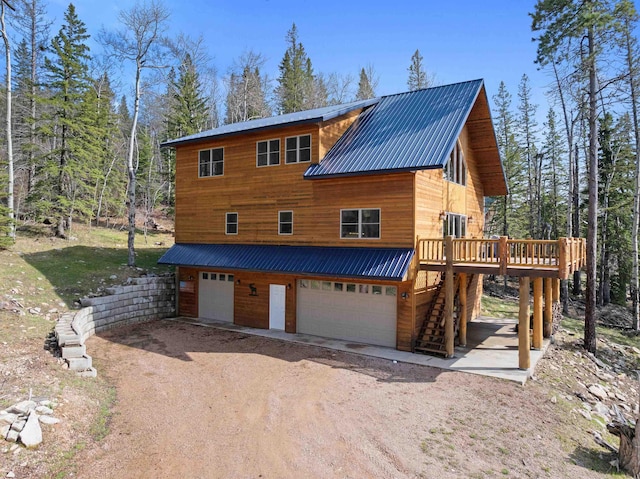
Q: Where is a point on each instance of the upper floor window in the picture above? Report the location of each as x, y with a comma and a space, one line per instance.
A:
211, 162
268, 153
455, 225
298, 149
360, 223
231, 224
285, 222
456, 169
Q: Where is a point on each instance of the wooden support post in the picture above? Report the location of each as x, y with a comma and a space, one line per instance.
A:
448, 299
537, 313
503, 251
556, 289
524, 353
563, 252
549, 300
463, 310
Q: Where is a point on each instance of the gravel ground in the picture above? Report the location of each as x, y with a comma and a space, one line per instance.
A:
196, 402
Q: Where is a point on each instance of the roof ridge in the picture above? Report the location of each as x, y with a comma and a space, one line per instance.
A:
481, 80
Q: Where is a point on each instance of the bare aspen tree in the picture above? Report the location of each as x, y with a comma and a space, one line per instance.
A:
7, 52
139, 41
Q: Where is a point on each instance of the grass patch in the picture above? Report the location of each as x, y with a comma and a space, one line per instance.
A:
100, 428
499, 308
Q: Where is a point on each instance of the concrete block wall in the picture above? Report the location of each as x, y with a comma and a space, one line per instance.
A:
143, 299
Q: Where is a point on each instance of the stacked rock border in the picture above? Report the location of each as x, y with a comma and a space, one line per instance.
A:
142, 299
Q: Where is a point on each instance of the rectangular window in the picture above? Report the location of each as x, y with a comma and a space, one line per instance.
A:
361, 223
455, 225
351, 288
205, 275
456, 169
232, 223
211, 162
298, 149
268, 153
285, 222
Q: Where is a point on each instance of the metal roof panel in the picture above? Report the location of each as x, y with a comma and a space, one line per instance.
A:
307, 116
412, 130
366, 263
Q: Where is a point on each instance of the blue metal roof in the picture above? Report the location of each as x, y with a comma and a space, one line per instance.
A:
407, 131
367, 263
307, 116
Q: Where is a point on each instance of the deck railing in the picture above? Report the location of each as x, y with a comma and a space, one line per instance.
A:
564, 254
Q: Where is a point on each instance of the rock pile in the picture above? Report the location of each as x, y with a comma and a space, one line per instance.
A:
21, 422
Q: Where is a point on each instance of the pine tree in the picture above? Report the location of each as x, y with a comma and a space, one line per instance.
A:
296, 81
189, 112
67, 73
365, 89
508, 212
418, 78
560, 23
527, 131
553, 204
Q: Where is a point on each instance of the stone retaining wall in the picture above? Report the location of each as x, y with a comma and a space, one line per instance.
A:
144, 299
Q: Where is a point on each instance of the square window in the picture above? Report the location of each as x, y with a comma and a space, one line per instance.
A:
326, 286
376, 289
363, 288
304, 283
230, 278
338, 286
298, 149
390, 290
268, 153
351, 288
214, 276
315, 284
222, 277
205, 275
360, 223
211, 162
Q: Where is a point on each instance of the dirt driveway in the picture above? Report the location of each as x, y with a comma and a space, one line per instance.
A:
196, 402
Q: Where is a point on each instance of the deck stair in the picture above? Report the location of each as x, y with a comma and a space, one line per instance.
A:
430, 339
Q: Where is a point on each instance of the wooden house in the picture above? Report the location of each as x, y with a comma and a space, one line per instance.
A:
332, 222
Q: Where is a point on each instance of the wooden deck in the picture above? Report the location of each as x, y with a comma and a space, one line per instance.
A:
545, 261
503, 256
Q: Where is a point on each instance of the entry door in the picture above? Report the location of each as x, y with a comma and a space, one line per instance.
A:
277, 301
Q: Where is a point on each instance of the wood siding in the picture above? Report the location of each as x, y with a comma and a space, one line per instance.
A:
332, 130
188, 301
257, 194
253, 311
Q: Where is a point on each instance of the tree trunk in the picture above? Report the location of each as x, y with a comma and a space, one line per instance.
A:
629, 452
577, 276
635, 280
592, 215
131, 172
568, 126
10, 195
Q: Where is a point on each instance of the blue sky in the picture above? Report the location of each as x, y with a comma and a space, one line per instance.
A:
459, 40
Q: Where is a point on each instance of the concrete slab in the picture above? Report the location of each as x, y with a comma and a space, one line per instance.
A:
492, 347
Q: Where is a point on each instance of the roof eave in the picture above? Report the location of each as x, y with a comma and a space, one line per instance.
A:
317, 119
409, 169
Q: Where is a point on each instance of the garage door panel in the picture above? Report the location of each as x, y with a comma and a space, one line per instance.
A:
356, 315
215, 296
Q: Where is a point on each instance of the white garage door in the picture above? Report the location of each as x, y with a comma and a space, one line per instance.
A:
364, 313
215, 296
